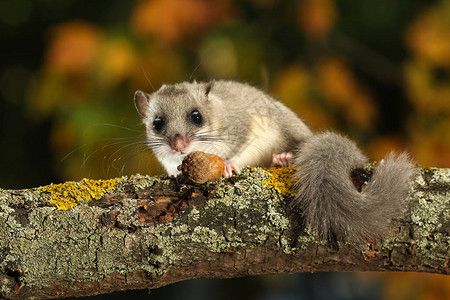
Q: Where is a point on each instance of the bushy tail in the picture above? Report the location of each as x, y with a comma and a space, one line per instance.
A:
329, 202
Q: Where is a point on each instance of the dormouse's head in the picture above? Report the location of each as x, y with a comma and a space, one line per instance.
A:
175, 116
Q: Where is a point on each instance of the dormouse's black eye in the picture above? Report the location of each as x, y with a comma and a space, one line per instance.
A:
196, 117
158, 123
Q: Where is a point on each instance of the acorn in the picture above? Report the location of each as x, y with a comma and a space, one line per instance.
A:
199, 167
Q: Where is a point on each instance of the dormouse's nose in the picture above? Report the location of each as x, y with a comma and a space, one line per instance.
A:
180, 143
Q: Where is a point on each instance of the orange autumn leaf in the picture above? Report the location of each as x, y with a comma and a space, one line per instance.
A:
362, 111
428, 36
341, 88
427, 96
317, 17
171, 20
73, 47
292, 85
336, 80
117, 62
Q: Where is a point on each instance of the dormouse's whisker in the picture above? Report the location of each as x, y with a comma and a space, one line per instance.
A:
111, 125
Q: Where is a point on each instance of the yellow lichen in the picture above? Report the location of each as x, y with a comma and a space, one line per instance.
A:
280, 179
67, 195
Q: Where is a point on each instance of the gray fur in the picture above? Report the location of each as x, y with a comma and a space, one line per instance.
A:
246, 126
330, 203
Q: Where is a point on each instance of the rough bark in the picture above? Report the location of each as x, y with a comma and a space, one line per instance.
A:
147, 232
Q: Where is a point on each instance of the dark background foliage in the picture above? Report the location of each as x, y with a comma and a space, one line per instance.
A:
378, 71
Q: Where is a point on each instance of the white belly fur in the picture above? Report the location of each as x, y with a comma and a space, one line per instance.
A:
262, 143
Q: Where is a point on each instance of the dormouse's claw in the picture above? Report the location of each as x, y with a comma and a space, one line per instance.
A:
229, 168
236, 169
283, 159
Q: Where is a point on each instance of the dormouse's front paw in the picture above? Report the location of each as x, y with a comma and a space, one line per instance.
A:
283, 159
229, 168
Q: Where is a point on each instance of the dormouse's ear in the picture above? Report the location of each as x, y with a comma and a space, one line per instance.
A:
141, 101
208, 87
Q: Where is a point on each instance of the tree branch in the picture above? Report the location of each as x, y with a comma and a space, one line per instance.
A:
147, 232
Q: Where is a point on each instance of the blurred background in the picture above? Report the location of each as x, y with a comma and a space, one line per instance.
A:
376, 70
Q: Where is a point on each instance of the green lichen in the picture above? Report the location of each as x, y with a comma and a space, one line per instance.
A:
69, 194
430, 214
140, 181
440, 176
221, 225
7, 284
